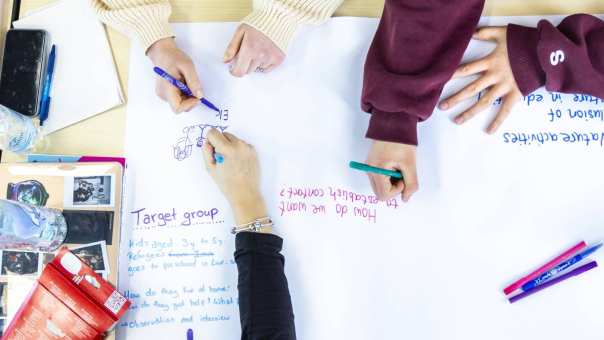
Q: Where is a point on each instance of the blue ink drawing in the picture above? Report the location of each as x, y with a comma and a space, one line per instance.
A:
184, 145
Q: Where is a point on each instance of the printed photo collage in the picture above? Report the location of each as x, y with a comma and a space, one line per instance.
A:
87, 202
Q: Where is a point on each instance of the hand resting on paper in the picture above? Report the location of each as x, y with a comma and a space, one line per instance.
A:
495, 75
252, 51
165, 54
238, 177
393, 156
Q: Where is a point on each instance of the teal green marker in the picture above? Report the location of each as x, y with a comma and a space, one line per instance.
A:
369, 168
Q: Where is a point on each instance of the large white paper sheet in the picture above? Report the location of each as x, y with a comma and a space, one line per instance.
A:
85, 81
491, 208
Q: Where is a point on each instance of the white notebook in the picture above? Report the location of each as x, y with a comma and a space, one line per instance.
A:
85, 81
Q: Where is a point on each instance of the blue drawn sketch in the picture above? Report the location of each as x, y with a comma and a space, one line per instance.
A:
193, 134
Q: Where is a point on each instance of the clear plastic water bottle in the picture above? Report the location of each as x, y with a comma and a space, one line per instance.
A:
19, 133
29, 227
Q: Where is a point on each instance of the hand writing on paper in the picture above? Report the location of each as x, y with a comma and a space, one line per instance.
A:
238, 177
394, 156
165, 54
495, 74
252, 51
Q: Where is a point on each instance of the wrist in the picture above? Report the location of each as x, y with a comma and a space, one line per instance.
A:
246, 210
384, 147
158, 48
259, 225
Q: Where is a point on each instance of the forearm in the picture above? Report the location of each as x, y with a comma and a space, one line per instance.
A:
279, 19
248, 208
568, 58
264, 300
146, 20
415, 51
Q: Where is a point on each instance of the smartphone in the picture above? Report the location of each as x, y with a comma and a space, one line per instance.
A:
23, 70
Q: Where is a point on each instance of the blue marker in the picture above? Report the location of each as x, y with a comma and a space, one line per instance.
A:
219, 158
45, 103
559, 268
189, 334
183, 88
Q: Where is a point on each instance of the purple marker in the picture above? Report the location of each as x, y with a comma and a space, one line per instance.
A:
552, 282
189, 334
183, 88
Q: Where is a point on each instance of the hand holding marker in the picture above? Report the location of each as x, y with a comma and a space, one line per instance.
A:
185, 89
375, 170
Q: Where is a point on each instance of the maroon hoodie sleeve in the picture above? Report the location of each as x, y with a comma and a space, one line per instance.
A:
416, 49
568, 58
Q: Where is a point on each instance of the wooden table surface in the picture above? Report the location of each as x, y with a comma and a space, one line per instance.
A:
104, 134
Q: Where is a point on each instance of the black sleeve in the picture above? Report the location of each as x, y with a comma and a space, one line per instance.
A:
265, 306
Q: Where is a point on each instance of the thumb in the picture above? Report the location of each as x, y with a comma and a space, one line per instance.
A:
411, 184
488, 33
234, 46
208, 155
191, 79
218, 140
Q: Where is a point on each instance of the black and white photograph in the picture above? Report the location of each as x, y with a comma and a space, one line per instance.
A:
91, 191
94, 255
19, 263
85, 226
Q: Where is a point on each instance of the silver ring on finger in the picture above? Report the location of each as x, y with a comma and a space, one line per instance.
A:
260, 69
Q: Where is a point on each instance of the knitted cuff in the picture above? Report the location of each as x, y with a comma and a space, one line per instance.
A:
275, 24
152, 25
392, 127
150, 32
147, 23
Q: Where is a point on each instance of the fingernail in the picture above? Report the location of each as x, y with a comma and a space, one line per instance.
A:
198, 94
458, 120
444, 105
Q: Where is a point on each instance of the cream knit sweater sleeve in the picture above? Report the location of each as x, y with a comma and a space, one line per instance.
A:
279, 19
147, 20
